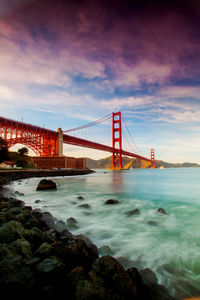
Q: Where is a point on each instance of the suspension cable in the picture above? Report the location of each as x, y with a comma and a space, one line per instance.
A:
131, 137
90, 124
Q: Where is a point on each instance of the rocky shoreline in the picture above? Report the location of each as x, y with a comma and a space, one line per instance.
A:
39, 257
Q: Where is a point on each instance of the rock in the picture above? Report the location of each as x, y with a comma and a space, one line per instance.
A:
22, 247
125, 262
44, 250
71, 221
60, 226
48, 219
88, 243
153, 223
16, 193
80, 198
133, 212
162, 211
111, 201
45, 184
38, 201
148, 277
87, 206
10, 231
50, 265
115, 276
105, 250
77, 274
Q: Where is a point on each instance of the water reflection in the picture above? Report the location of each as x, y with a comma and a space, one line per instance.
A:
117, 181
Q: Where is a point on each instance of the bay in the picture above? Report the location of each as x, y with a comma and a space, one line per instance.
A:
169, 244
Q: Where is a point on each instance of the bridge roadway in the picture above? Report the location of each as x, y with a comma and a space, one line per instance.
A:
68, 139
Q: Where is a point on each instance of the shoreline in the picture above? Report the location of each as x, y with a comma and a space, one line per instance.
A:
54, 264
6, 176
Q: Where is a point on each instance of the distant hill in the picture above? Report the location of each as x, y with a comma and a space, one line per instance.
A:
128, 163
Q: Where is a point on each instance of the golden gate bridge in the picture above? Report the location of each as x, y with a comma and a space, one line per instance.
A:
48, 143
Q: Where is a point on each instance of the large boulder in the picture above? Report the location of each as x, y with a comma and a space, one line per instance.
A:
45, 184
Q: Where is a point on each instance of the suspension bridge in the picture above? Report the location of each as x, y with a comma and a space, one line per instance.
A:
48, 143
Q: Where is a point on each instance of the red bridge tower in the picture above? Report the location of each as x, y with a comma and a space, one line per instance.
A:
117, 141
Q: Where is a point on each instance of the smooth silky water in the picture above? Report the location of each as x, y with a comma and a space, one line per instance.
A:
170, 245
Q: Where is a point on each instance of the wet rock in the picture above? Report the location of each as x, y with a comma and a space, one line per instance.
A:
22, 247
60, 226
44, 250
111, 201
45, 184
133, 212
105, 250
48, 219
38, 201
77, 274
115, 276
148, 277
50, 265
162, 211
10, 231
80, 253
152, 223
87, 206
16, 193
80, 198
71, 221
88, 243
125, 262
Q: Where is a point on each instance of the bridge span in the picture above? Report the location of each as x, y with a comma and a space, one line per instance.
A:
48, 143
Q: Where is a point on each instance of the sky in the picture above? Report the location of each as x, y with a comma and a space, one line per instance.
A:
68, 63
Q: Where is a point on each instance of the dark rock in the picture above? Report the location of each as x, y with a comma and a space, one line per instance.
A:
50, 265
45, 184
80, 198
133, 212
111, 201
60, 226
77, 274
153, 223
148, 276
115, 276
44, 250
16, 193
84, 206
162, 211
125, 262
88, 243
22, 247
71, 221
48, 219
28, 209
11, 231
38, 201
105, 250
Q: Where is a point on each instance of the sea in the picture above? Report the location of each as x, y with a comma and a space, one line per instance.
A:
168, 244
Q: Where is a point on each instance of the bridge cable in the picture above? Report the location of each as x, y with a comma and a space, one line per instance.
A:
131, 137
90, 124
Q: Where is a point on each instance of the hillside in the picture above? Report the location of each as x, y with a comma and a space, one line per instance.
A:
128, 163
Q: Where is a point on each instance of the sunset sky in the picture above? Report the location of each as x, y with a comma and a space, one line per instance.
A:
67, 63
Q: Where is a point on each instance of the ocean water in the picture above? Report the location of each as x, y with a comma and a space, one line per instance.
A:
167, 244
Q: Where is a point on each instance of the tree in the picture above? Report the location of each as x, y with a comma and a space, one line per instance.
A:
23, 151
3, 150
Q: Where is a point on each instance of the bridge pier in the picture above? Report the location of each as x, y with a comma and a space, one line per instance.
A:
60, 142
